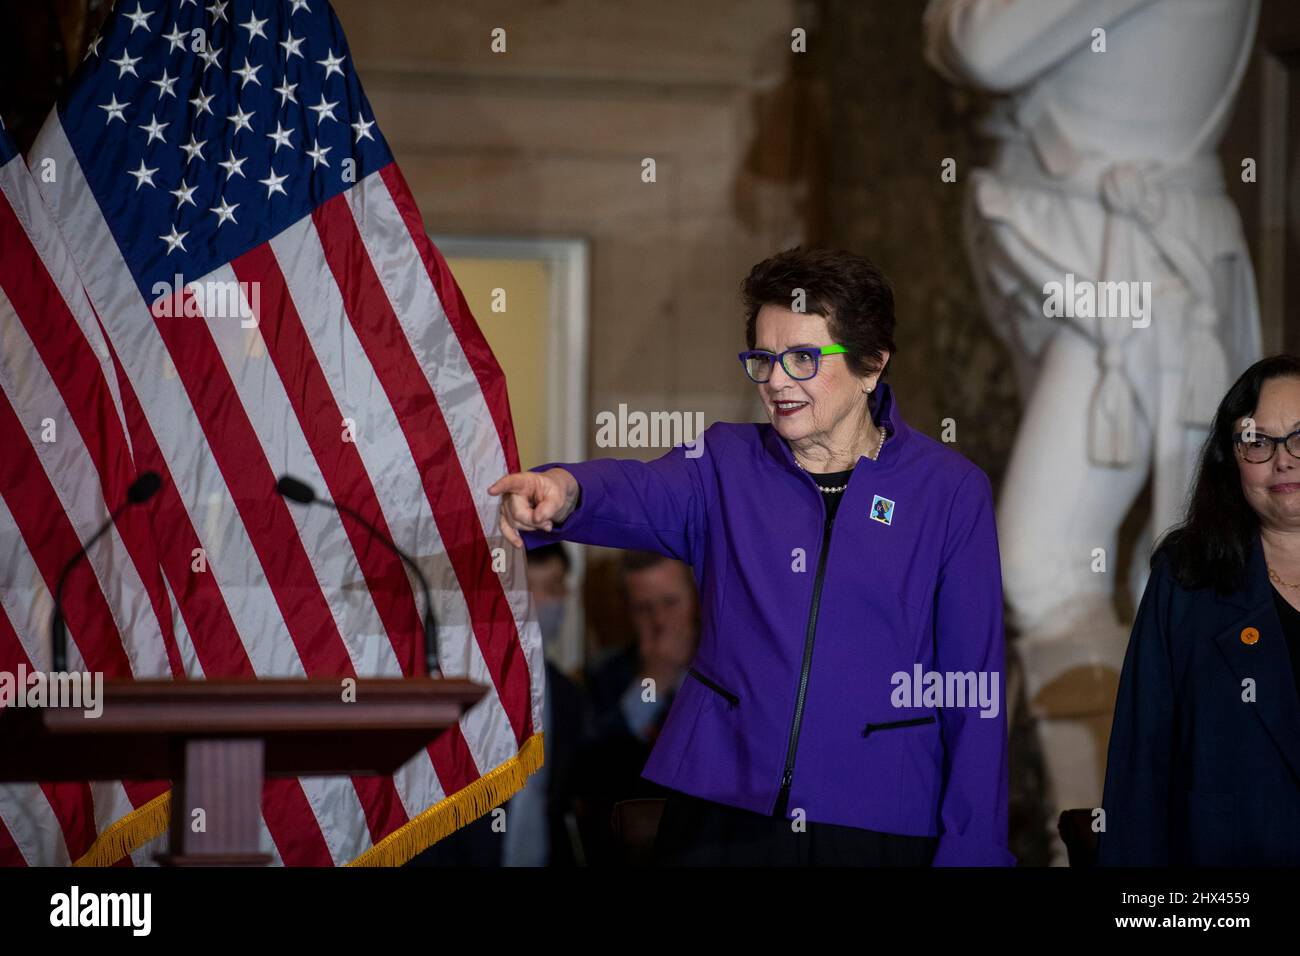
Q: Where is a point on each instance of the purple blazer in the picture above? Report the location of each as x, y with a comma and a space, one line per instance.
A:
795, 699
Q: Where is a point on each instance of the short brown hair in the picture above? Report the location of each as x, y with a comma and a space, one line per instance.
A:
633, 561
848, 290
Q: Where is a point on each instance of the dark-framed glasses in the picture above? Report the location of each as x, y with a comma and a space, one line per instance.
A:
1262, 448
800, 363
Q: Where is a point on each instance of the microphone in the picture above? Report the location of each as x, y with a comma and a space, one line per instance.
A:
140, 491
303, 494
143, 488
295, 490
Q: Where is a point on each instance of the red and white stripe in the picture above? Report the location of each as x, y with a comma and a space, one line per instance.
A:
56, 383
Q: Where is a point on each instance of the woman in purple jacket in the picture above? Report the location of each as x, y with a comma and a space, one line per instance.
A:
846, 702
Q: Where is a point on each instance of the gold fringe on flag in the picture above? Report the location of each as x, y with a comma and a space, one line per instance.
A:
141, 825
452, 813
129, 833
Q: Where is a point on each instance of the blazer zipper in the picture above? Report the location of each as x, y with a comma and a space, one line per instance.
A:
783, 796
898, 723
732, 699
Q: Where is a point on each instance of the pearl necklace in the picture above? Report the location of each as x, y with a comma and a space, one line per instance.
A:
879, 445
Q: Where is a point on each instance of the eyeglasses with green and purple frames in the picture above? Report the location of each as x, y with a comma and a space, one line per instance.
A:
800, 363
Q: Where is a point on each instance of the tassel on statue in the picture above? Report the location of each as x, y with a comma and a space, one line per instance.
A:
1111, 413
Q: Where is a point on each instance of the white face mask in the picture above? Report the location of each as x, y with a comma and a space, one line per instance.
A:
550, 615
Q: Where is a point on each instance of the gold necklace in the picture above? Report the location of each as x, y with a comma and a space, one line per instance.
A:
1276, 580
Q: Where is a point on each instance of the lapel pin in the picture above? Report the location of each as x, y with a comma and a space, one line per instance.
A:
1249, 635
882, 509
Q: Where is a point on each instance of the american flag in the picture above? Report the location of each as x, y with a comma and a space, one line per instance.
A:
262, 299
66, 461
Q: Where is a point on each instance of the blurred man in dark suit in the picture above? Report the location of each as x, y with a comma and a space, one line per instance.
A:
631, 691
540, 827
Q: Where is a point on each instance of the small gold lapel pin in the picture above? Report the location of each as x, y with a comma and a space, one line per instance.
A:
1249, 635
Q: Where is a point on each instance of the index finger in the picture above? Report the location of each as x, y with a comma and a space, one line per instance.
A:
506, 484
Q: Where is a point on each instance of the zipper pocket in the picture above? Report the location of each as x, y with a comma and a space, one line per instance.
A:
732, 699
913, 722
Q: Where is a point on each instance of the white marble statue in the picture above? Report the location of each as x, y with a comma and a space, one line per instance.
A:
1105, 185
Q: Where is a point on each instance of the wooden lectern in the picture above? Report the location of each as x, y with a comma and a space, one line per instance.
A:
216, 740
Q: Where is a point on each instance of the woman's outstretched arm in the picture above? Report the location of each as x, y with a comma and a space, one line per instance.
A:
612, 502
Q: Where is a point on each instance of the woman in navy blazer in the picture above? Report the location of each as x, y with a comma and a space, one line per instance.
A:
1204, 761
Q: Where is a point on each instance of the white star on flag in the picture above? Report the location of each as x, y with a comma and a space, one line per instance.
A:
324, 110
240, 119
193, 149
232, 165
114, 109
184, 195
139, 18
201, 102
247, 74
165, 84
143, 176
154, 129
125, 64
174, 240
317, 155
281, 137
225, 211
285, 89
331, 64
291, 44
176, 39
254, 27
272, 184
